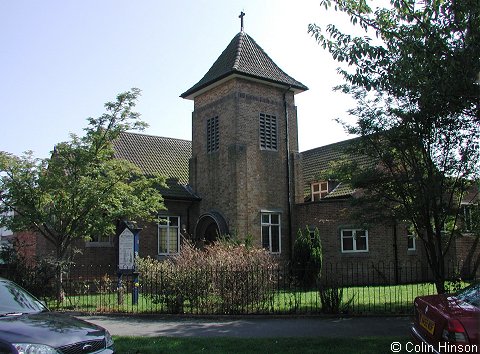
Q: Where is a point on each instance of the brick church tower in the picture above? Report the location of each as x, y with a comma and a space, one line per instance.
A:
245, 147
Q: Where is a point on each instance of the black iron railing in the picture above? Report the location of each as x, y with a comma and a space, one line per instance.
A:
350, 288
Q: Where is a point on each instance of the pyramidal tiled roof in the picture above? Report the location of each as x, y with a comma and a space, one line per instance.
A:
244, 57
158, 155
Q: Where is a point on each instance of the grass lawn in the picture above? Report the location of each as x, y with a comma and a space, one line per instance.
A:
368, 299
145, 345
393, 299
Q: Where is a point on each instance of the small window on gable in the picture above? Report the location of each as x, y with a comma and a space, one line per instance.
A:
213, 134
268, 132
319, 190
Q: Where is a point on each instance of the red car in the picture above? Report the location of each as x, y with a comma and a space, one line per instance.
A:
449, 322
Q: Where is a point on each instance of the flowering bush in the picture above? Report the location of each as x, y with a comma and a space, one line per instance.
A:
225, 275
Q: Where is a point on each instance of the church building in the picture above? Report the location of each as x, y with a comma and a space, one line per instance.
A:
243, 175
240, 174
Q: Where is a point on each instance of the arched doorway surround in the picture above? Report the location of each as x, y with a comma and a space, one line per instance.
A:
209, 226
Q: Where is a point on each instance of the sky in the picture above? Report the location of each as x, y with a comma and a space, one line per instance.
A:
61, 60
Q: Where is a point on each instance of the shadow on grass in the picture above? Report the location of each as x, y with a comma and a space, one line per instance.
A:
145, 345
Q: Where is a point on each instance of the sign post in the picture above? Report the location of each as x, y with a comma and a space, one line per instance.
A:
128, 248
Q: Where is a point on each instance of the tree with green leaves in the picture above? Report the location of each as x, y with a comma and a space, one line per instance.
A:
307, 257
82, 189
416, 83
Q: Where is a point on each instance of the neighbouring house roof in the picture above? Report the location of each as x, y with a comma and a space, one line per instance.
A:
317, 161
244, 57
158, 155
472, 195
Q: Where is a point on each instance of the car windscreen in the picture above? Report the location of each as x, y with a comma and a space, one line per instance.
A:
470, 295
15, 300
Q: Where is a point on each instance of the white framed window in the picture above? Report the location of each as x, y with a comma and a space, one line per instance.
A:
271, 232
213, 134
4, 246
411, 242
168, 235
354, 240
101, 239
319, 190
4, 232
268, 132
468, 216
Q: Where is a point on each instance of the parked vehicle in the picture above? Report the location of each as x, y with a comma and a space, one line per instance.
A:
28, 326
448, 322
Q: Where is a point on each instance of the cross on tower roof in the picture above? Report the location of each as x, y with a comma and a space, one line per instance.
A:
242, 14
243, 57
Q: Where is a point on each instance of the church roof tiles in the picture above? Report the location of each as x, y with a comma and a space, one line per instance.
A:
317, 161
158, 155
244, 57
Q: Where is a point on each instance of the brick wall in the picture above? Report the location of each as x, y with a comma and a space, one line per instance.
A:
239, 180
26, 245
99, 259
467, 254
384, 252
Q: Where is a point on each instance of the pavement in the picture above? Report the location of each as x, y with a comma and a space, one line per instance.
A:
149, 326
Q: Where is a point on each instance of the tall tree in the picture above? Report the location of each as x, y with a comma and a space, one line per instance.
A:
81, 190
417, 88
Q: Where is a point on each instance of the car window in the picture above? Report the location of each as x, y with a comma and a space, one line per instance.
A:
14, 299
470, 295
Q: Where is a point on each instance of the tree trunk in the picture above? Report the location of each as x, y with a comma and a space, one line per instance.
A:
440, 286
59, 292
436, 261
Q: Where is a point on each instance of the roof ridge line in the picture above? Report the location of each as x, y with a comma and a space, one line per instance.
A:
331, 144
238, 53
155, 136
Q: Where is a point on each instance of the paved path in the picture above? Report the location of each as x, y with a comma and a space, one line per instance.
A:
253, 327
